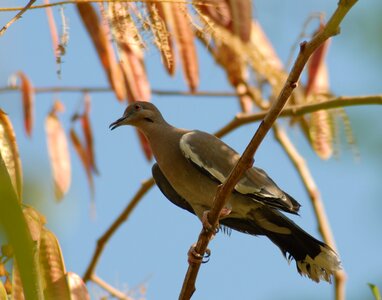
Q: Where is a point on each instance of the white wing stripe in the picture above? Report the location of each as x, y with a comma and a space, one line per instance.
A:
190, 154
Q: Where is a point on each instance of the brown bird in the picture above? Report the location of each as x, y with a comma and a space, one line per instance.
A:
190, 166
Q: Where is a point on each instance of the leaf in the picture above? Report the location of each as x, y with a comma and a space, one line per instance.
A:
162, 37
265, 47
10, 153
88, 134
58, 153
3, 292
17, 287
237, 74
317, 90
52, 267
52, 29
321, 133
186, 45
375, 291
27, 91
104, 48
241, 11
219, 12
350, 139
130, 51
14, 226
35, 221
252, 53
78, 290
81, 152
317, 71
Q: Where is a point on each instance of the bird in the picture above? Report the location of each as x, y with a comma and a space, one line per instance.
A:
191, 164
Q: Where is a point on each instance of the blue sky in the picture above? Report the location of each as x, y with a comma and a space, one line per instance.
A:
151, 247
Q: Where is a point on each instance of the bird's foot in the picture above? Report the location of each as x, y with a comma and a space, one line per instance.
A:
206, 223
197, 258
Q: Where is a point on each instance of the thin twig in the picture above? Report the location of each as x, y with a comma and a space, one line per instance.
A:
78, 89
240, 119
146, 185
59, 3
317, 203
18, 16
245, 161
107, 287
299, 110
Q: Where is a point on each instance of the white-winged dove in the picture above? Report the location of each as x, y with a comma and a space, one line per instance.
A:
190, 166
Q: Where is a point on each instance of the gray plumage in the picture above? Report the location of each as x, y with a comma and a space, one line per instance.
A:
191, 165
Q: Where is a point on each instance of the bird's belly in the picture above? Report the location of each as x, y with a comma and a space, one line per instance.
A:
195, 187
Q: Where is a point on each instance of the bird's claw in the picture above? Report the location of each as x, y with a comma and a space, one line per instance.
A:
206, 223
195, 257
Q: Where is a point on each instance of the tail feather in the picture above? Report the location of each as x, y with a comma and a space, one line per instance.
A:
313, 258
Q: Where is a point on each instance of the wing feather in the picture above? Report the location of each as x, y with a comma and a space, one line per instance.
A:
218, 159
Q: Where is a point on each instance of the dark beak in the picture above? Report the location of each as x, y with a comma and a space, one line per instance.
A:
117, 123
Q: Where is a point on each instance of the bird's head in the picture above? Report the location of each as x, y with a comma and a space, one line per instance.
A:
140, 114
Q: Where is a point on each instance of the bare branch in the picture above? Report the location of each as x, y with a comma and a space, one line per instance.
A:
318, 205
299, 110
75, 89
146, 185
205, 3
107, 287
18, 16
246, 160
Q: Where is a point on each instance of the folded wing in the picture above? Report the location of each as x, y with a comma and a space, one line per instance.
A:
213, 157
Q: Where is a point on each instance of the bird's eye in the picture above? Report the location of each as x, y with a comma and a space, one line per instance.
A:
137, 107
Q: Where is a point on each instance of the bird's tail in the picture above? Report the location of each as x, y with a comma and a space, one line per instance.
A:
313, 258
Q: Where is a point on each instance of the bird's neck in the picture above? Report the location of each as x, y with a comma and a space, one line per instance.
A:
164, 140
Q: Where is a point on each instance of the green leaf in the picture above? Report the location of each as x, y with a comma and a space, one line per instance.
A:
53, 267
13, 223
3, 292
375, 291
10, 153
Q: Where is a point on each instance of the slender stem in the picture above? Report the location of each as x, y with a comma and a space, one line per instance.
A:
245, 161
102, 241
317, 203
58, 3
107, 287
78, 89
18, 16
299, 110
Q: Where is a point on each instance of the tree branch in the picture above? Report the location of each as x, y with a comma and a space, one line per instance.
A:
317, 203
299, 110
246, 160
18, 16
98, 1
78, 89
146, 185
107, 287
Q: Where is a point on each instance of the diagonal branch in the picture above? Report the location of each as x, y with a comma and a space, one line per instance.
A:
317, 203
246, 160
102, 241
18, 16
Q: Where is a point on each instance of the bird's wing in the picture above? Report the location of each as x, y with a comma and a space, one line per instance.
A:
170, 193
167, 190
217, 159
